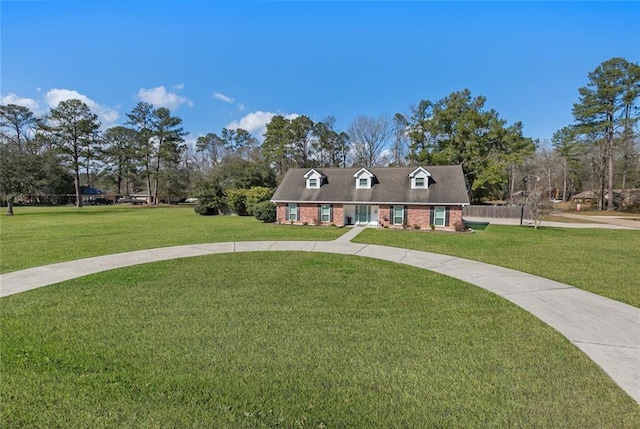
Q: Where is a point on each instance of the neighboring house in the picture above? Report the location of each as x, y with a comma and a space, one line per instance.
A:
89, 194
625, 199
585, 197
134, 198
393, 197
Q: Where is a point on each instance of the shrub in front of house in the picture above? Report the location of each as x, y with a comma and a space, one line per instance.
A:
237, 201
243, 201
459, 226
255, 195
265, 211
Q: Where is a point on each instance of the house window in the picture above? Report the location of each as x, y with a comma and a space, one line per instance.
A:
363, 179
439, 216
314, 179
325, 213
398, 215
293, 212
419, 178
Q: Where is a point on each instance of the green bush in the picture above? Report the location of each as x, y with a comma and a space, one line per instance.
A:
237, 201
243, 201
265, 211
210, 196
255, 195
205, 210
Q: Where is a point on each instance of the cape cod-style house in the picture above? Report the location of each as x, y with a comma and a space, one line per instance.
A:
395, 197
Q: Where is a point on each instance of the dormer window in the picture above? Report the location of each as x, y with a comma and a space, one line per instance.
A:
314, 179
419, 178
364, 179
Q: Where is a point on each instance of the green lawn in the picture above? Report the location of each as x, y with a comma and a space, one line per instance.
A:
290, 340
602, 261
44, 235
606, 262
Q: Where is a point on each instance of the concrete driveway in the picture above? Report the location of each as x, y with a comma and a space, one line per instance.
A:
607, 331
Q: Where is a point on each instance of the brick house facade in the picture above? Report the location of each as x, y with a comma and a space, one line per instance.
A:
417, 198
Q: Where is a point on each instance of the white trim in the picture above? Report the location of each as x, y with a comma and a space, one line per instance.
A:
313, 175
310, 185
361, 174
312, 172
443, 218
419, 173
393, 214
410, 203
297, 207
362, 171
329, 208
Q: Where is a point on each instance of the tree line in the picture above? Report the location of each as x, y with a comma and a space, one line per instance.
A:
66, 148
600, 151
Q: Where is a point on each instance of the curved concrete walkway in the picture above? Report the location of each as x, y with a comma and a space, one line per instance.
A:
605, 330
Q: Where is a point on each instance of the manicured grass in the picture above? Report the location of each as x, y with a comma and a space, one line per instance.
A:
601, 261
44, 235
290, 340
606, 262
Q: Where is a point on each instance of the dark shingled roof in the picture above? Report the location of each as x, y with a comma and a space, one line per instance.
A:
391, 185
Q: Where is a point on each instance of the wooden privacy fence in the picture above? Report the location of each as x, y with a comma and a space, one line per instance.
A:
497, 212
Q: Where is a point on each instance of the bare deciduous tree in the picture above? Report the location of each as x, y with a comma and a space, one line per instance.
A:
369, 138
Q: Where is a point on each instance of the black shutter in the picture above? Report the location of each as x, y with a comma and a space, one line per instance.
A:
286, 212
446, 216
432, 215
331, 213
320, 213
405, 219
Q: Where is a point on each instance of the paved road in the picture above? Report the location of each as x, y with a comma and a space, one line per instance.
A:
620, 221
598, 222
605, 330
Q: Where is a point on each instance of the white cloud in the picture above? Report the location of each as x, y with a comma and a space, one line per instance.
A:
241, 107
222, 97
179, 86
29, 103
159, 97
256, 122
106, 115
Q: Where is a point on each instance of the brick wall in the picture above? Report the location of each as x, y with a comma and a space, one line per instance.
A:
308, 213
455, 217
338, 215
416, 215
280, 213
385, 216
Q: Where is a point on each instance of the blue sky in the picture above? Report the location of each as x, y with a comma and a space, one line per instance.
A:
236, 63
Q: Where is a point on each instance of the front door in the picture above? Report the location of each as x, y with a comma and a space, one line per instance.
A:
363, 214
